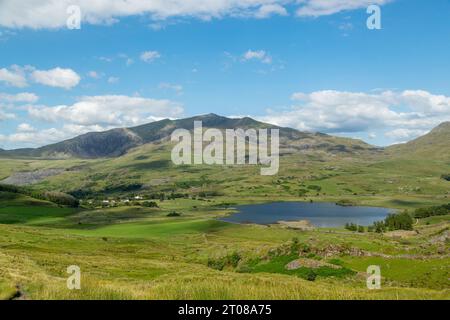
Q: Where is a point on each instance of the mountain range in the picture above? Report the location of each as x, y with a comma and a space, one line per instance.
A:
117, 142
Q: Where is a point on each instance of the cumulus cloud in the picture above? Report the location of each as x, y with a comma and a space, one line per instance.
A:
14, 76
111, 110
401, 115
40, 14
269, 10
315, 8
404, 135
30, 137
259, 55
25, 127
19, 97
150, 56
57, 77
6, 116
88, 114
19, 76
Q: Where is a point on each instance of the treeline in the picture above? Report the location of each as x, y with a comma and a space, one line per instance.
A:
399, 221
432, 211
58, 198
405, 221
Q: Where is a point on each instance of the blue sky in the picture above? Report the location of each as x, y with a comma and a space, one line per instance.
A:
301, 64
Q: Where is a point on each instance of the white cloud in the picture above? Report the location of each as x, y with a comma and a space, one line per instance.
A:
150, 56
169, 86
14, 76
25, 127
260, 55
94, 113
40, 14
403, 135
19, 97
57, 77
269, 10
400, 115
112, 110
93, 75
315, 8
6, 116
36, 138
113, 80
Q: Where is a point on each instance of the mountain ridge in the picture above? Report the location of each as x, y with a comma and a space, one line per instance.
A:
117, 142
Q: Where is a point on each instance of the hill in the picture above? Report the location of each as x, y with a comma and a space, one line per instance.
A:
434, 145
117, 142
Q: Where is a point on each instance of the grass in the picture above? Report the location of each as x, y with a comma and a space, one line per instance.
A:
136, 268
132, 252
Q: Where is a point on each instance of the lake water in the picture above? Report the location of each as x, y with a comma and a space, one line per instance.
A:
320, 214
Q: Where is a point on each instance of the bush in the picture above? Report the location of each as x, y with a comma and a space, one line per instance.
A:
345, 203
233, 259
311, 276
150, 204
174, 214
218, 264
351, 227
316, 188
229, 260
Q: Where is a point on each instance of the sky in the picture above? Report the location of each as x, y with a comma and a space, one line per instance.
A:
313, 65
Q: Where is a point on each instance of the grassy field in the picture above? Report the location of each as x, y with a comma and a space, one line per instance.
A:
140, 253
136, 252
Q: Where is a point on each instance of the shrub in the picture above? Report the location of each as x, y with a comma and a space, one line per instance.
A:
218, 264
150, 204
351, 227
345, 203
233, 259
174, 214
314, 187
311, 275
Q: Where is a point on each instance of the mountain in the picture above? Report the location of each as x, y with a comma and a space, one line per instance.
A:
117, 142
434, 145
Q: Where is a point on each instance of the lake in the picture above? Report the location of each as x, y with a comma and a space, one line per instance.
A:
320, 214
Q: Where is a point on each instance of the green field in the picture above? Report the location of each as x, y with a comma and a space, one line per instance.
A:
140, 253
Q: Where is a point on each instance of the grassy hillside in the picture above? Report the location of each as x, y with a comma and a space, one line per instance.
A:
434, 145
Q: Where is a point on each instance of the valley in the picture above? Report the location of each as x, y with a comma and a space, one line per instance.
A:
148, 229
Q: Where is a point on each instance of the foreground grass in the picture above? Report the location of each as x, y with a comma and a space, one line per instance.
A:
162, 258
